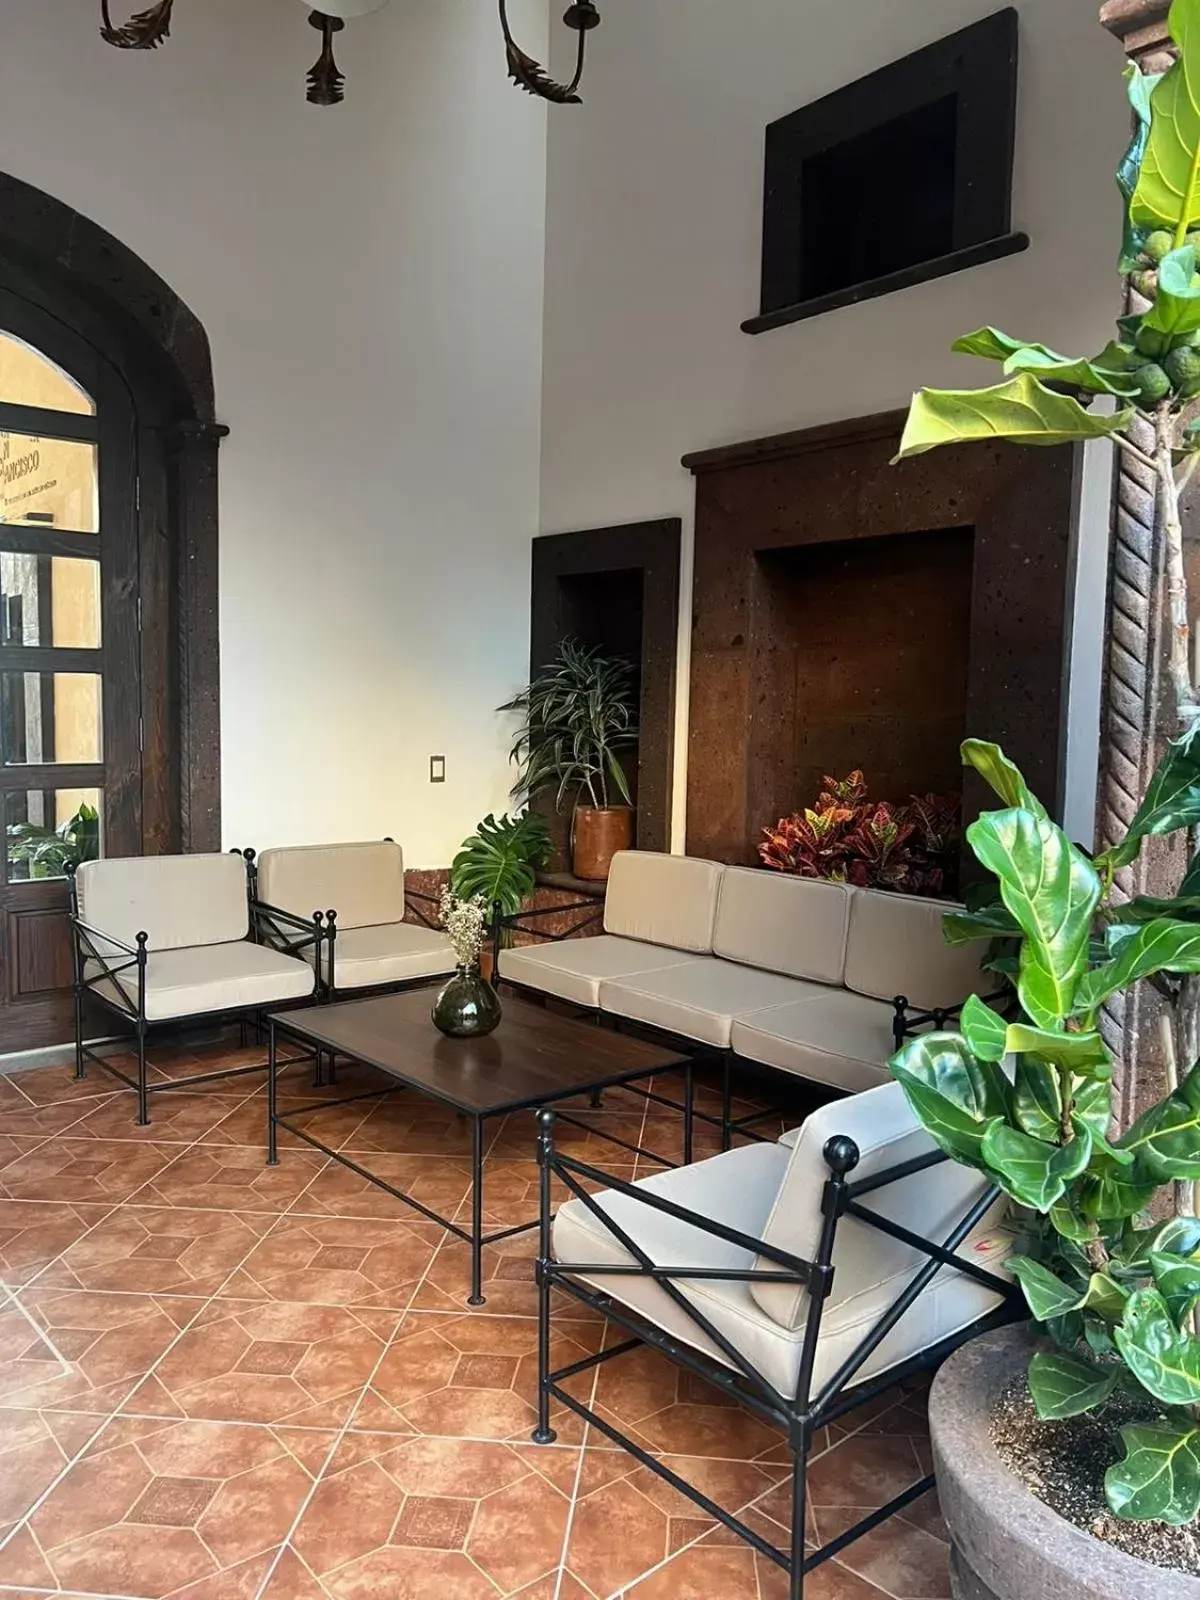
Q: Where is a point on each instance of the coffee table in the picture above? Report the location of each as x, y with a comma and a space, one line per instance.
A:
534, 1059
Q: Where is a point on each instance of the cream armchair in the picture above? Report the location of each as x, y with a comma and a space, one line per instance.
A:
802, 1278
363, 939
160, 939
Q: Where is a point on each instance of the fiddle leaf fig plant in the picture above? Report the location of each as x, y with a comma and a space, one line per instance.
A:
1024, 1095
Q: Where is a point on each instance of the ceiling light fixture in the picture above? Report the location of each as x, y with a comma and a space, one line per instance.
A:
147, 29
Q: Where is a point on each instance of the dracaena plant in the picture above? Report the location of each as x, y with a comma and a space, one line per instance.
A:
1023, 1093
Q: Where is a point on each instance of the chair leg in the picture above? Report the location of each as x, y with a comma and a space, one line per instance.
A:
142, 1092
80, 1067
799, 1505
726, 1105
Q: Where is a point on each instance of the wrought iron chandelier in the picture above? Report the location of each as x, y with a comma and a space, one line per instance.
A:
146, 30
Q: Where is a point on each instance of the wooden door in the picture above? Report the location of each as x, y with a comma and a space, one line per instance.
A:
70, 675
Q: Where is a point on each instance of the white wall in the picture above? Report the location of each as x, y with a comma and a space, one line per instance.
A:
653, 254
370, 276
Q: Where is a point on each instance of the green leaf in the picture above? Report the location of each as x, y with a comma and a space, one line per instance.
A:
1021, 410
1154, 947
1036, 1174
1166, 1138
1105, 1297
1175, 1262
1037, 1099
1064, 1386
993, 345
964, 927
499, 860
1141, 86
1073, 372
1000, 774
1070, 1226
1171, 801
1164, 1361
1092, 1105
1159, 1479
1052, 890
1167, 194
1149, 907
955, 1095
1047, 1295
983, 1030
1085, 1054
1176, 308
1114, 1196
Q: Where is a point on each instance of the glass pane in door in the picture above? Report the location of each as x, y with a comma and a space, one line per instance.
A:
49, 600
49, 717
49, 483
28, 378
45, 831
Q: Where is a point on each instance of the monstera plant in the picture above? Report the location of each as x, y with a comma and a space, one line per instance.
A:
1023, 1093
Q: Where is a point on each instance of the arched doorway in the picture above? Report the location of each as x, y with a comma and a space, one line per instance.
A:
109, 733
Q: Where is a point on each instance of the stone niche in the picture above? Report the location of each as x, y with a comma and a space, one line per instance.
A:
848, 613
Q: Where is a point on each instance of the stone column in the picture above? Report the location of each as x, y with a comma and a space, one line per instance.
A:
1138, 713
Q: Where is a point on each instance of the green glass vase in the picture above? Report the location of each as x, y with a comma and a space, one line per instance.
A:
467, 1007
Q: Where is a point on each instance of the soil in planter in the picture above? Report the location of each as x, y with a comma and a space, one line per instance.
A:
1063, 1464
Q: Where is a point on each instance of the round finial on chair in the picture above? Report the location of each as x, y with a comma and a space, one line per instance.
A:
841, 1155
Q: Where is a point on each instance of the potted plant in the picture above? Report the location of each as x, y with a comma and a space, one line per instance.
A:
498, 864
578, 716
51, 852
1022, 1091
1110, 1258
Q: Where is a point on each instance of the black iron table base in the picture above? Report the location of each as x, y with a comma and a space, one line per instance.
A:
628, 1078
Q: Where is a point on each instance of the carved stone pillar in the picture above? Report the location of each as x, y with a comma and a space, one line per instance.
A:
1138, 713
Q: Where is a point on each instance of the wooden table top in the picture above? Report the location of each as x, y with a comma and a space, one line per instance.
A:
533, 1057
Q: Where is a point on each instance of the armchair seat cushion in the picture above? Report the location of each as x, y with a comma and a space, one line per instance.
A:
392, 953
207, 978
701, 1000
841, 1039
574, 969
739, 1189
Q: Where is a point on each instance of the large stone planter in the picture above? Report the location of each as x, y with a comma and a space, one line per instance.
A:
1007, 1545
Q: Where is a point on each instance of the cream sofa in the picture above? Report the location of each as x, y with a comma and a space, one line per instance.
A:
792, 973
358, 892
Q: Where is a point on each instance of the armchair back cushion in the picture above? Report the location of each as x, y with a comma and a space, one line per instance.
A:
929, 1203
896, 947
796, 926
180, 901
363, 883
661, 899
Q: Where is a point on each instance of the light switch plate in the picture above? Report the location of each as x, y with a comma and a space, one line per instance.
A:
437, 769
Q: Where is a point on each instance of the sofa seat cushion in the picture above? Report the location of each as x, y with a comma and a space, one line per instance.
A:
734, 1189
844, 1040
393, 953
211, 977
701, 1000
574, 969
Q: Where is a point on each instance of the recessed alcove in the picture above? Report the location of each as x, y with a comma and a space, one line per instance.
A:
850, 614
859, 654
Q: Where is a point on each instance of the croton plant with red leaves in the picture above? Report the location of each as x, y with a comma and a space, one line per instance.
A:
849, 838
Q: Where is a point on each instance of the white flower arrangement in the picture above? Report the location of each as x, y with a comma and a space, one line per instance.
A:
465, 922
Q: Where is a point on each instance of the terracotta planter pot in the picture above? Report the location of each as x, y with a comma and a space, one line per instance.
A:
1008, 1545
597, 833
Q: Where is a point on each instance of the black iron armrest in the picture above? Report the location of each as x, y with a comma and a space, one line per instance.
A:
271, 924
308, 924
108, 938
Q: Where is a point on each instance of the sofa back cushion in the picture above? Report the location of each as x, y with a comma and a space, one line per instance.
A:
797, 926
661, 899
896, 947
363, 883
179, 901
930, 1203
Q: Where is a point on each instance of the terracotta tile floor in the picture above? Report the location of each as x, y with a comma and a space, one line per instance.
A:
220, 1381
